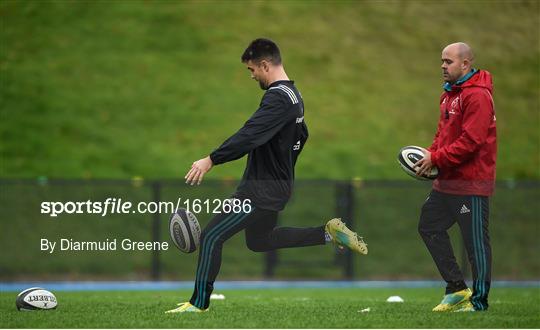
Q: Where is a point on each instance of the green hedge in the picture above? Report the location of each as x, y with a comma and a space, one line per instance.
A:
385, 213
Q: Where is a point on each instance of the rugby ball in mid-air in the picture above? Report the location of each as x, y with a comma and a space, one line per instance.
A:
185, 230
408, 156
35, 299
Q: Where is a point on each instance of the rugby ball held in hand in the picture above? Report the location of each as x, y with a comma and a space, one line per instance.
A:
408, 156
35, 299
185, 230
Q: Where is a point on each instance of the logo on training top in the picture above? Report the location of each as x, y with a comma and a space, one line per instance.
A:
296, 146
464, 210
454, 106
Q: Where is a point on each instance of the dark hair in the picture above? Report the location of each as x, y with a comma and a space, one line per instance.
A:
262, 49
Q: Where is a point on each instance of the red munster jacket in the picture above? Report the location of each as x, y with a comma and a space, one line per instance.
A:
465, 145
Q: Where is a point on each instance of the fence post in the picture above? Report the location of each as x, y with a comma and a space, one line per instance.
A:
345, 208
156, 232
270, 258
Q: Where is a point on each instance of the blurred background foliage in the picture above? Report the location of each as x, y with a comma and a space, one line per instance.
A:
115, 89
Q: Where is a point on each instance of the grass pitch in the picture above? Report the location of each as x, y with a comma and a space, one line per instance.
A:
291, 308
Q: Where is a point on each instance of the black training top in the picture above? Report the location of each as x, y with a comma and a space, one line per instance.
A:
273, 138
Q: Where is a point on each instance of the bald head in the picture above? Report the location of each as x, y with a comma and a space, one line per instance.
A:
462, 50
457, 59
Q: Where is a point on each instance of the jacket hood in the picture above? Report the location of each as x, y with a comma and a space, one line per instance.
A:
480, 79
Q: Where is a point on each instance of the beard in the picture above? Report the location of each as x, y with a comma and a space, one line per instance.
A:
449, 78
263, 85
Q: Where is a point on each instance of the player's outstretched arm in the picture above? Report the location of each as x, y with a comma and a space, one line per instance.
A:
271, 116
198, 170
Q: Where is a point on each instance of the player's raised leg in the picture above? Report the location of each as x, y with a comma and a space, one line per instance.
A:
263, 235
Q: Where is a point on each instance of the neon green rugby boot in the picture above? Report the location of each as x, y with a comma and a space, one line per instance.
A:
343, 236
466, 307
186, 308
454, 301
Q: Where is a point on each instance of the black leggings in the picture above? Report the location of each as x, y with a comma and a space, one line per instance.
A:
440, 212
261, 235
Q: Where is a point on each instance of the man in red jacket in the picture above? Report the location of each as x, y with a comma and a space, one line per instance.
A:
464, 149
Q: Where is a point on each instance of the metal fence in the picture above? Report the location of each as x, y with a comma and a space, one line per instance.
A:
384, 212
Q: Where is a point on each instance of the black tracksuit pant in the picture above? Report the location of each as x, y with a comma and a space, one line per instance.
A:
439, 213
261, 235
